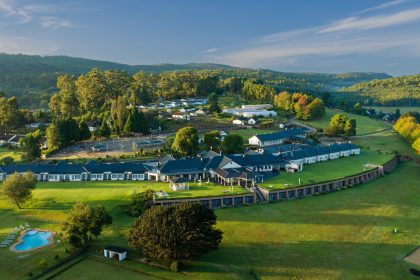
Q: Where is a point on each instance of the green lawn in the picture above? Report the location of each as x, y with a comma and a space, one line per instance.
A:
327, 170
392, 109
15, 154
88, 269
364, 124
248, 133
342, 235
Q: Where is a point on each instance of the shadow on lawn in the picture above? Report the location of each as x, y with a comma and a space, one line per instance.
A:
322, 260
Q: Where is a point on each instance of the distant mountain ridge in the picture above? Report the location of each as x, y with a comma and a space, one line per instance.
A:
29, 76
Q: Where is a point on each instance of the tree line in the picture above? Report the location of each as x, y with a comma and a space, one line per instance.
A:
305, 107
408, 127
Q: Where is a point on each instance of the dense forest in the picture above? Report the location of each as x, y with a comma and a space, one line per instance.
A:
33, 79
399, 91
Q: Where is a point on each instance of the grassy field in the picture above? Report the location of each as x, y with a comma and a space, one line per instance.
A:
328, 170
342, 235
247, 133
392, 109
5, 152
365, 125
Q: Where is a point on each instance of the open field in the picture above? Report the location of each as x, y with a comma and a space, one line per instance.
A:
5, 152
247, 133
364, 124
392, 109
342, 235
327, 170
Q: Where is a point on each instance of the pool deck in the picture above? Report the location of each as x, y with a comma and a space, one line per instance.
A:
23, 233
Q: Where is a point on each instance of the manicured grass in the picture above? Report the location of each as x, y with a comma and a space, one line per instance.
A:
364, 124
15, 154
343, 235
247, 133
327, 170
88, 269
392, 109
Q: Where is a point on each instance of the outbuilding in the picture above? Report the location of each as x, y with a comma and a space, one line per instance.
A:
115, 252
179, 184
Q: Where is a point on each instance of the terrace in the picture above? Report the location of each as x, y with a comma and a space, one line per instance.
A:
328, 170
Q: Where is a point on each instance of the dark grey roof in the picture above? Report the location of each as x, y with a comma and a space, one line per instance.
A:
166, 158
60, 168
183, 165
311, 151
281, 134
208, 154
115, 249
178, 180
243, 173
115, 167
334, 148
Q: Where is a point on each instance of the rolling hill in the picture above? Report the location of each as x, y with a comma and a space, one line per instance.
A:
398, 91
33, 78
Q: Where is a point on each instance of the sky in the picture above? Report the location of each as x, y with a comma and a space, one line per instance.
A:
294, 36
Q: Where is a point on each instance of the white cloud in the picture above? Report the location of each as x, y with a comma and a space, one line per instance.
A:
26, 13
357, 23
54, 23
355, 35
213, 50
383, 6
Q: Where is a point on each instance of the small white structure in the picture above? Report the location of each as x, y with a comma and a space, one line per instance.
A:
115, 252
252, 121
257, 106
179, 184
238, 122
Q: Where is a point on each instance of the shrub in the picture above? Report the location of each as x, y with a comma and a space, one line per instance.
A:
176, 266
43, 264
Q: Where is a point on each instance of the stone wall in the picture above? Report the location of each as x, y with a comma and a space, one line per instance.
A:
330, 186
214, 201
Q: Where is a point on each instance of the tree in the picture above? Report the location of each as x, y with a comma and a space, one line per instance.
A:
397, 113
179, 232
31, 145
139, 202
350, 127
92, 90
233, 143
416, 145
283, 101
83, 222
119, 114
339, 121
129, 124
141, 123
10, 114
104, 130
212, 140
214, 103
358, 109
84, 131
17, 188
62, 133
65, 103
186, 142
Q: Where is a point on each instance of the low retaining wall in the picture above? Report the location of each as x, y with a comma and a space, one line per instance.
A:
330, 186
214, 201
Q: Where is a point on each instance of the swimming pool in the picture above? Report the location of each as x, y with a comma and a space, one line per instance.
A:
33, 239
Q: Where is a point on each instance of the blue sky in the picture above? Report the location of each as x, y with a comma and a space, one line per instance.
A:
299, 36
